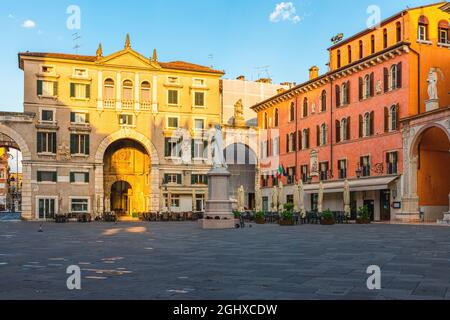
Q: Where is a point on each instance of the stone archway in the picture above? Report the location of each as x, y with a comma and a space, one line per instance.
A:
153, 203
425, 183
26, 169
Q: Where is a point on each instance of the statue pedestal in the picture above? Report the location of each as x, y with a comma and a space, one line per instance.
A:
431, 104
219, 207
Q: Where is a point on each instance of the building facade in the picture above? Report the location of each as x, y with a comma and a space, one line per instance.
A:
122, 132
352, 122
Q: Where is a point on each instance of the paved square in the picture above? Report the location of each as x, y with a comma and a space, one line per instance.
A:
181, 261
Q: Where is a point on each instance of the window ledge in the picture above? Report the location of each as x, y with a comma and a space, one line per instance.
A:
47, 182
80, 99
174, 105
446, 45
80, 183
85, 156
48, 97
427, 42
46, 154
199, 107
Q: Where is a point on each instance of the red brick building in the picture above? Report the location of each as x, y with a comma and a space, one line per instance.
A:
347, 123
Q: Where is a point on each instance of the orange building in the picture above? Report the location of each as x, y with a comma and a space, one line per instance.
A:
378, 118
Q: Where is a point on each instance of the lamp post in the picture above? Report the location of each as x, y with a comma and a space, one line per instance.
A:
358, 171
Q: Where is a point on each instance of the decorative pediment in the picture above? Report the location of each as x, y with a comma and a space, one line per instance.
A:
129, 58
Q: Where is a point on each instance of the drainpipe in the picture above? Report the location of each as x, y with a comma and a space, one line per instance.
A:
297, 144
331, 127
418, 78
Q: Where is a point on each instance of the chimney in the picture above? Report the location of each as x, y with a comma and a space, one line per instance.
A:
313, 72
241, 78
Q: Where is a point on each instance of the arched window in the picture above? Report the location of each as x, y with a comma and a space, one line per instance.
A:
385, 38
292, 112
305, 107
127, 90
275, 117
367, 124
398, 28
145, 91
393, 117
305, 139
349, 53
393, 77
361, 49
366, 86
443, 32
344, 129
109, 92
344, 92
339, 58
323, 101
423, 28
372, 44
291, 142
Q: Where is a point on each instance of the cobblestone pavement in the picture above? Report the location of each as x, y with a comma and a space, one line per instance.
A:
181, 261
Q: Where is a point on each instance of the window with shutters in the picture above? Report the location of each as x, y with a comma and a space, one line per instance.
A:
324, 171
47, 88
385, 38
172, 122
276, 118
365, 166
366, 87
47, 176
393, 118
172, 148
423, 29
79, 177
199, 179
79, 118
361, 49
323, 134
339, 59
79, 205
172, 178
398, 29
276, 146
443, 33
291, 175
344, 129
292, 112
108, 88
349, 54
372, 44
345, 93
264, 181
126, 120
304, 173
198, 149
127, 91
199, 124
199, 99
305, 139
323, 101
305, 108
46, 142
275, 179
145, 92
80, 91
366, 127
392, 162
342, 168
172, 97
79, 144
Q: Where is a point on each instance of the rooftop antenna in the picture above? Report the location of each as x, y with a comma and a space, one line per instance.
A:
263, 70
211, 59
76, 45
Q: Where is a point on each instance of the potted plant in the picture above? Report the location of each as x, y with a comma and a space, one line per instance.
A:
327, 218
237, 214
363, 215
260, 217
287, 218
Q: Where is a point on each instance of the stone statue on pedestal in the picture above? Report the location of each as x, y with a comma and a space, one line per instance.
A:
218, 158
433, 102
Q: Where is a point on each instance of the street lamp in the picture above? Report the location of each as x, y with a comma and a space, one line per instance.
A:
358, 171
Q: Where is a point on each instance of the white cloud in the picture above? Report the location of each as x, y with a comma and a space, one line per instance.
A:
285, 11
28, 24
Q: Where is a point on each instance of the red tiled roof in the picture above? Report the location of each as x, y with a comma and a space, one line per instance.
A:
177, 65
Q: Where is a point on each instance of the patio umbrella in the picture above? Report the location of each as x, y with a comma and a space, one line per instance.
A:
241, 199
320, 198
274, 199
162, 201
193, 200
301, 191
280, 197
296, 196
258, 204
347, 209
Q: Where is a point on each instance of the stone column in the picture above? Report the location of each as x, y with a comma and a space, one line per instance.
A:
119, 91
154, 189
27, 212
100, 90
99, 192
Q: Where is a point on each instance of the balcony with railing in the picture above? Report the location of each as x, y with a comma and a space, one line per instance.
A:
146, 105
127, 104
109, 104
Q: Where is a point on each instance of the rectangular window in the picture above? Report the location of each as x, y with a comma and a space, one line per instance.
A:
423, 32
324, 168
47, 207
199, 82
47, 116
172, 148
172, 97
275, 179
80, 91
79, 205
199, 179
199, 124
47, 176
304, 172
342, 167
392, 162
265, 181
365, 166
172, 178
79, 144
199, 99
79, 177
46, 142
47, 88
443, 36
172, 122
198, 149
82, 73
126, 119
174, 201
291, 175
79, 117
173, 80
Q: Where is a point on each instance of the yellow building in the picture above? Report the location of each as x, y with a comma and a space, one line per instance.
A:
113, 132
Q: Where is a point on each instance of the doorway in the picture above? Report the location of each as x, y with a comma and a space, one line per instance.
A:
370, 204
385, 202
121, 192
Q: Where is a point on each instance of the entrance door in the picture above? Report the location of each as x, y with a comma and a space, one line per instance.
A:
370, 204
251, 201
120, 198
47, 208
385, 196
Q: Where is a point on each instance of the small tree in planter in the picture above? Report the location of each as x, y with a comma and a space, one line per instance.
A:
327, 218
363, 215
287, 218
260, 217
237, 214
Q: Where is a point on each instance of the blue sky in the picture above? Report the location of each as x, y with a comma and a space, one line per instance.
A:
237, 36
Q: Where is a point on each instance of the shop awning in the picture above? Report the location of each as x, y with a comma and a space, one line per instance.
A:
363, 184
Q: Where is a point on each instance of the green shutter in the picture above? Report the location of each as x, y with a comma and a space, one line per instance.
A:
54, 176
192, 148
55, 88
206, 179
179, 178
86, 177
72, 90
166, 148
39, 142
192, 178
88, 91
39, 176
73, 144
54, 142
39, 87
72, 177
72, 117
87, 118
86, 144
